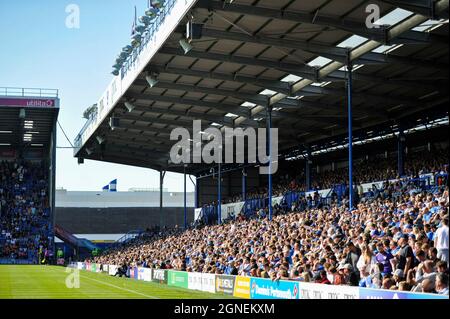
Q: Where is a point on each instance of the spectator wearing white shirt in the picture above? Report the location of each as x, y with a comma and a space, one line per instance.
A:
441, 240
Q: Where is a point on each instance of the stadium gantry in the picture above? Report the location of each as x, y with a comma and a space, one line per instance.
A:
322, 71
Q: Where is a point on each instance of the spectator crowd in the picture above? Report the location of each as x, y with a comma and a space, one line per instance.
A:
25, 226
396, 239
364, 171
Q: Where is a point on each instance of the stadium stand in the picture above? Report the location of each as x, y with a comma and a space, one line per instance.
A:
394, 239
27, 174
25, 225
376, 222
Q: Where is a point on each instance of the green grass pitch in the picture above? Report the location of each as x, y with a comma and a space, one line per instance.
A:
49, 282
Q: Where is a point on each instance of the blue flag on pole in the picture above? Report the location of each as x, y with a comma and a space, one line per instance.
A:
113, 186
105, 188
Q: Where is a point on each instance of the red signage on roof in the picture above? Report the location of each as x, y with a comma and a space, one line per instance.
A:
27, 102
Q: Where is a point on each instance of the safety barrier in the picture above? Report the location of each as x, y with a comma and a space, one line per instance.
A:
253, 288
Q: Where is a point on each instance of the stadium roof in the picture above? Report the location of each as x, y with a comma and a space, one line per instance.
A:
289, 54
27, 116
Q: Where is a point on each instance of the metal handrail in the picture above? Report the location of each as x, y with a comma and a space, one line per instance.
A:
28, 92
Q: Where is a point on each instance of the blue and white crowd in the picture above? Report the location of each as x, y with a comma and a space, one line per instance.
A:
25, 226
396, 238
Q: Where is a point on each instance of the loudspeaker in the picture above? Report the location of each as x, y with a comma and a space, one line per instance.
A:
194, 30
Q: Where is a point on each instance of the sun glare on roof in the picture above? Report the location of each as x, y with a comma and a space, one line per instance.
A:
248, 104
394, 17
268, 92
319, 61
352, 42
430, 25
291, 78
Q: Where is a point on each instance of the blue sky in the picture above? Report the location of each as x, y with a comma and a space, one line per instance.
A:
39, 51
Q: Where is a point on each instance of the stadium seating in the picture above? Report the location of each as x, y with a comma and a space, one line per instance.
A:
396, 238
25, 226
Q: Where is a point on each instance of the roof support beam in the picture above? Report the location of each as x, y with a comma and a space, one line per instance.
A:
210, 118
319, 106
345, 24
226, 107
245, 97
331, 52
304, 71
423, 7
354, 54
121, 158
278, 86
370, 98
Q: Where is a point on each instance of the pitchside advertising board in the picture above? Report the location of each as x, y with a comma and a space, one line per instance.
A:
242, 287
112, 270
159, 276
28, 102
261, 288
225, 284
255, 288
202, 282
317, 291
178, 279
366, 293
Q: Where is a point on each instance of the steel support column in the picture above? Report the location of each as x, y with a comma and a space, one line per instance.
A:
401, 152
308, 171
244, 185
269, 142
219, 194
184, 198
161, 184
350, 131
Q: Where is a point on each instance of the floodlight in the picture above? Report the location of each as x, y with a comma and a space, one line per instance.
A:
123, 55
127, 49
115, 72
22, 114
130, 106
145, 20
186, 46
89, 151
100, 139
157, 3
139, 29
151, 12
152, 80
136, 40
